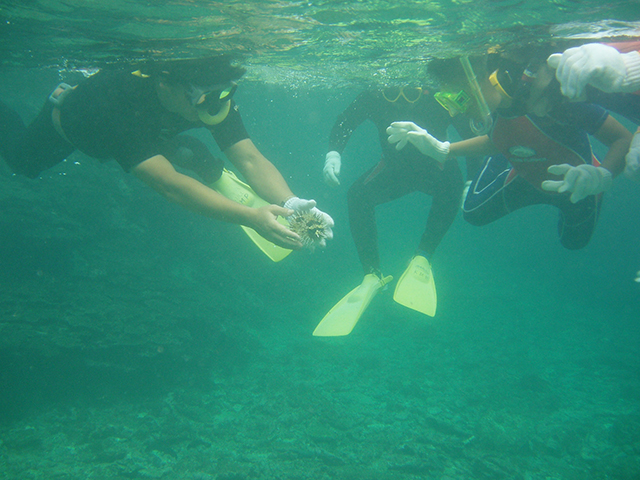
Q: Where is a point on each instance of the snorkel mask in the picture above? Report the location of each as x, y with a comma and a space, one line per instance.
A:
410, 94
213, 104
515, 83
482, 126
454, 103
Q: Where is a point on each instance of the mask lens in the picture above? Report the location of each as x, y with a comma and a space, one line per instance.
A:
454, 103
412, 95
228, 92
213, 100
391, 94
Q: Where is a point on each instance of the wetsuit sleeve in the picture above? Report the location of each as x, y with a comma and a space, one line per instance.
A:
585, 116
231, 130
350, 119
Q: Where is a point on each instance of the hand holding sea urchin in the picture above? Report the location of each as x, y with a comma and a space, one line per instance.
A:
310, 226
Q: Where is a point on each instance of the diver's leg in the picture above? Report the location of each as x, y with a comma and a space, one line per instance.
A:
577, 220
30, 150
497, 191
379, 185
485, 199
493, 194
445, 187
12, 134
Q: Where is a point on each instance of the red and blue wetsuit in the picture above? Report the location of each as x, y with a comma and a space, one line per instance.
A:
528, 145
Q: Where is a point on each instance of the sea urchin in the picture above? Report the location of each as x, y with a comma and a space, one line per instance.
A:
310, 226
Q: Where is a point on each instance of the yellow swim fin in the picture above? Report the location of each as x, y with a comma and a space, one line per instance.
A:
345, 314
416, 288
234, 189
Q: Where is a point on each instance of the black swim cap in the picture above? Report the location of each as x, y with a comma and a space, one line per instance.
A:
216, 70
449, 71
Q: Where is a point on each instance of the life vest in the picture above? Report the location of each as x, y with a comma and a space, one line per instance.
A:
530, 151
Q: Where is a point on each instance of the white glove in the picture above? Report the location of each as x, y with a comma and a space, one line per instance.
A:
598, 65
299, 205
581, 181
331, 171
632, 170
403, 132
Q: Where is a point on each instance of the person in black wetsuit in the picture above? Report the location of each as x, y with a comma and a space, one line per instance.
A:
398, 173
133, 114
395, 175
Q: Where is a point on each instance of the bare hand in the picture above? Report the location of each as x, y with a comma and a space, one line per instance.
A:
266, 224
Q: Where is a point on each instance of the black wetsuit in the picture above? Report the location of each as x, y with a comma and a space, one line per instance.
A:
399, 172
111, 115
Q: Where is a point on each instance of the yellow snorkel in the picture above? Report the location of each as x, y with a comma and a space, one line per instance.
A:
218, 117
483, 126
213, 105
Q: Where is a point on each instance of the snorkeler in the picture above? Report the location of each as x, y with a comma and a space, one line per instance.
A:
612, 68
396, 174
538, 146
133, 113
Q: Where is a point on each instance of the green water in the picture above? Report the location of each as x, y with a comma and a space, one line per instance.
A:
141, 341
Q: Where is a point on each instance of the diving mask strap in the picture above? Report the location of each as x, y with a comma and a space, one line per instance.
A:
218, 117
485, 125
493, 78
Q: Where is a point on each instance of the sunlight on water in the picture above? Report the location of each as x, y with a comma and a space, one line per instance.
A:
292, 42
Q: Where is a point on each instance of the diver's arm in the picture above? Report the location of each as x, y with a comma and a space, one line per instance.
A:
159, 174
480, 146
586, 179
267, 181
599, 65
259, 172
402, 133
615, 136
351, 118
632, 170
